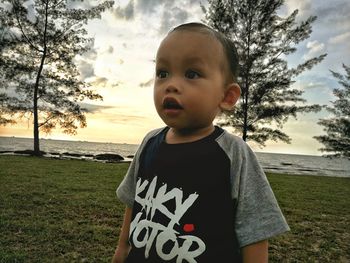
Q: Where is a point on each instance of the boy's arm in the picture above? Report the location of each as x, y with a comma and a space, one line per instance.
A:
256, 253
123, 247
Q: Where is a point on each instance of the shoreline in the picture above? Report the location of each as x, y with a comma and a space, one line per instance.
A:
103, 158
286, 168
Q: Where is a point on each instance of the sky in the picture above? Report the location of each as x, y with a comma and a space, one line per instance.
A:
120, 66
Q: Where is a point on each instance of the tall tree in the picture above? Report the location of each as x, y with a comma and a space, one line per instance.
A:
337, 140
39, 78
263, 40
5, 111
8, 105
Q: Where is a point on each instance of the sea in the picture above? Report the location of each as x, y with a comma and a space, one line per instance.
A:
271, 162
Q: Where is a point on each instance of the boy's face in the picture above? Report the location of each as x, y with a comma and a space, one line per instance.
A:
190, 79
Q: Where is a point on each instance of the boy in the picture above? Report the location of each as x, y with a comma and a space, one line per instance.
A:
194, 192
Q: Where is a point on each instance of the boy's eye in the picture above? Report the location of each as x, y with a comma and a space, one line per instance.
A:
161, 74
190, 74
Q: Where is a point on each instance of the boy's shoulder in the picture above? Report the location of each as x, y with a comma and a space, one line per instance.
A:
226, 135
153, 133
232, 143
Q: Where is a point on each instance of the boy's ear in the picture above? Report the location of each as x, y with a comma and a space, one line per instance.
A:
231, 96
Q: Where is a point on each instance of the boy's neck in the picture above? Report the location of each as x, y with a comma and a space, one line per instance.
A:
175, 136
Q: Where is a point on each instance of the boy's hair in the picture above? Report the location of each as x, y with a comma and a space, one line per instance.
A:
228, 46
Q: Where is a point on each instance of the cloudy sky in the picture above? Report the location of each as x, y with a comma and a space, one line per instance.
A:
121, 66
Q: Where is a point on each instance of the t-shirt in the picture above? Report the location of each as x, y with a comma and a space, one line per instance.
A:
187, 206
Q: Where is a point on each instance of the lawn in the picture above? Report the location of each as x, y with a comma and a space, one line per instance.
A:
67, 211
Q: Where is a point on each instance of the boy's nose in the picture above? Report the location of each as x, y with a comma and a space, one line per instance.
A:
173, 87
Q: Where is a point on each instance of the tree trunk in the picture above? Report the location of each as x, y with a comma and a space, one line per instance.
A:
36, 89
246, 94
245, 112
35, 106
36, 121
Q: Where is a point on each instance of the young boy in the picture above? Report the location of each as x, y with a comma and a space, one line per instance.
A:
194, 192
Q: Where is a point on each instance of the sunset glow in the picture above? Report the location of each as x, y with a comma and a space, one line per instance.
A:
120, 67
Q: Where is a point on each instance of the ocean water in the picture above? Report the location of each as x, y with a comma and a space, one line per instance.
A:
271, 162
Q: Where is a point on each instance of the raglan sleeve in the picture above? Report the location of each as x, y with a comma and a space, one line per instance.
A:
126, 189
258, 215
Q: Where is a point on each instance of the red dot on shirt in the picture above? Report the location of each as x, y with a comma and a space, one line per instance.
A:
188, 227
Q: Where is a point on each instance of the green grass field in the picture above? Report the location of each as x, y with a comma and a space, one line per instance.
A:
67, 211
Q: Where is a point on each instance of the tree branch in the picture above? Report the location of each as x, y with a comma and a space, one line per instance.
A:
25, 36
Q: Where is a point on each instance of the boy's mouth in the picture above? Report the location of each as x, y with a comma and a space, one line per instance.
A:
171, 104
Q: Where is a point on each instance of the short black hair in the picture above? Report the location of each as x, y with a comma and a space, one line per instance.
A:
228, 46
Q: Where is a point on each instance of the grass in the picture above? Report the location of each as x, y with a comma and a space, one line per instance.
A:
318, 212
67, 211
58, 210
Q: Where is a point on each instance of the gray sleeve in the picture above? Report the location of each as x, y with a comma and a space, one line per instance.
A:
258, 216
126, 189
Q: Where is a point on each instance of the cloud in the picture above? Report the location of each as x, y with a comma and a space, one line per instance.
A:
304, 8
32, 13
171, 18
126, 13
150, 6
110, 50
100, 81
91, 54
103, 82
336, 14
171, 12
340, 39
91, 108
315, 48
148, 83
119, 118
86, 69
155, 16
79, 4
314, 85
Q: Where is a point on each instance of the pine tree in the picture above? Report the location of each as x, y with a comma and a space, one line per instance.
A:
263, 40
5, 101
38, 75
337, 140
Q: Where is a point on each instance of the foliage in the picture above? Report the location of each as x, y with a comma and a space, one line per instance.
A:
6, 103
337, 140
39, 79
263, 40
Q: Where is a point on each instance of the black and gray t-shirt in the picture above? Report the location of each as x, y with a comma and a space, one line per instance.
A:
197, 202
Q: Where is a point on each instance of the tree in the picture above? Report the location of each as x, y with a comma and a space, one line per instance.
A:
4, 110
8, 105
263, 40
39, 79
337, 140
